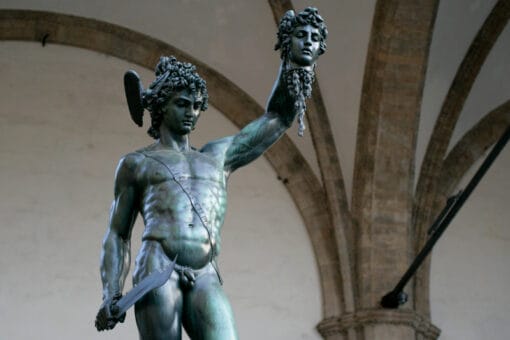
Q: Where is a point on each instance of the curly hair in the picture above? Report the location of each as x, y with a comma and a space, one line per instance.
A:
309, 16
171, 76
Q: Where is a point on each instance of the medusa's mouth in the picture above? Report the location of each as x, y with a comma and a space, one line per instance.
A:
307, 51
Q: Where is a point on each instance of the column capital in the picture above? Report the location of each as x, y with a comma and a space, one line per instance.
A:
332, 327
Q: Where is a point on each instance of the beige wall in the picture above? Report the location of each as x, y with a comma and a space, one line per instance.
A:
469, 271
470, 274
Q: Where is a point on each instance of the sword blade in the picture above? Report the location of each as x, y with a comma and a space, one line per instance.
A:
152, 281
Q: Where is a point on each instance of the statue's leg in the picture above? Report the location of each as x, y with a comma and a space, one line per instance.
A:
207, 314
158, 314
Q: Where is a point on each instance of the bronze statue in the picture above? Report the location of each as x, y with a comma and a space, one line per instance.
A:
181, 194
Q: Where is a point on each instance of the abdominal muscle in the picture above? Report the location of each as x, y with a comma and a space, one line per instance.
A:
170, 221
190, 244
172, 226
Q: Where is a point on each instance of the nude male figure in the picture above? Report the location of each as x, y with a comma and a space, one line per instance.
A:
180, 192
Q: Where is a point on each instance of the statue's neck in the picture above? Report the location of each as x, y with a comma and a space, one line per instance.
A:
174, 141
289, 65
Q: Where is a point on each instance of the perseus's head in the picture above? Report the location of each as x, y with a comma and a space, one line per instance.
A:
172, 79
302, 37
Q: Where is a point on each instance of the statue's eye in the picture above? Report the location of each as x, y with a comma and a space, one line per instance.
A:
197, 105
315, 37
300, 34
181, 103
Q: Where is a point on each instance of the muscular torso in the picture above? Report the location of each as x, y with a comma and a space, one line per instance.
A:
169, 216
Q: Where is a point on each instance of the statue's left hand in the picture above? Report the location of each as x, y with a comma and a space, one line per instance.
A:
106, 318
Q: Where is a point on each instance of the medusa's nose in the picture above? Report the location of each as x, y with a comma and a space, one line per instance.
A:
308, 39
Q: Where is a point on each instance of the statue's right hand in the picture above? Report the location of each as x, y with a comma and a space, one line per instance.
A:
106, 318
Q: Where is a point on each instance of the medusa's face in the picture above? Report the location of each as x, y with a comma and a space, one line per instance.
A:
181, 112
305, 45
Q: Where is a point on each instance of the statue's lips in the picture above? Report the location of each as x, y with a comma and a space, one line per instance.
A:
306, 51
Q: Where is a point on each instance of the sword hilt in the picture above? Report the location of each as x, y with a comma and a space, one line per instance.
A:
107, 319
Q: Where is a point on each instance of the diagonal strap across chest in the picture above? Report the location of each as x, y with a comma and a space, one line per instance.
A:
196, 206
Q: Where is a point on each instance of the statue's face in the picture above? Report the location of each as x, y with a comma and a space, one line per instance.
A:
304, 45
181, 112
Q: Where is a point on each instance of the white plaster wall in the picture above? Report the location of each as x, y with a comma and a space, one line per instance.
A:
469, 272
470, 276
63, 126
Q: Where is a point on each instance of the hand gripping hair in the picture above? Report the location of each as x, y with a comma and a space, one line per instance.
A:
171, 76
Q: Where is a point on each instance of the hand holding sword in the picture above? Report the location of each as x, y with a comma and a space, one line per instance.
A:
113, 310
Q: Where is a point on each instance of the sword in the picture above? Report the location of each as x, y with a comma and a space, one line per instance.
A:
150, 282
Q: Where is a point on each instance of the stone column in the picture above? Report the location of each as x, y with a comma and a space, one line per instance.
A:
384, 171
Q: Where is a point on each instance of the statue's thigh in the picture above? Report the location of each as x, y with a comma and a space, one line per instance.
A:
207, 314
158, 314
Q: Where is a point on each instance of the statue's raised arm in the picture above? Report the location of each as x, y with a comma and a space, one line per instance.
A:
301, 39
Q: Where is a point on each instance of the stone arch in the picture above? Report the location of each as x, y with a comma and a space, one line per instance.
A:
472, 147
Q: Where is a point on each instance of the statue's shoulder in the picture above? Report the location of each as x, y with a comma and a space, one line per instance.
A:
140, 154
130, 163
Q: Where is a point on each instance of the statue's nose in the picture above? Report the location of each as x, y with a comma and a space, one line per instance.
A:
190, 112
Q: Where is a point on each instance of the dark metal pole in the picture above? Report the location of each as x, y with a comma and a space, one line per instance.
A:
397, 297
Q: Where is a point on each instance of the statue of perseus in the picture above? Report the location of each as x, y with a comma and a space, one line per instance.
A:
181, 194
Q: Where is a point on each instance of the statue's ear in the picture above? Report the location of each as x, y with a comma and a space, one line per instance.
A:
133, 87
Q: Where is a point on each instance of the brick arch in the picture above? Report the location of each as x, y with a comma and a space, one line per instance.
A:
302, 184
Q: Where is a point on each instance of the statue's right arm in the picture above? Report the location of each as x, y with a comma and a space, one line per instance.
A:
116, 254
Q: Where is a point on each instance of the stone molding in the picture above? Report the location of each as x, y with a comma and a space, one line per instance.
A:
360, 319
